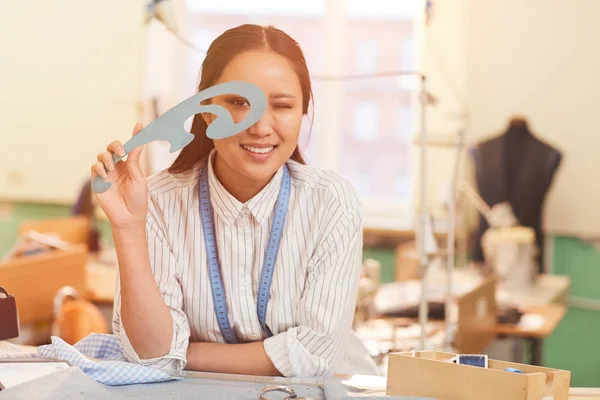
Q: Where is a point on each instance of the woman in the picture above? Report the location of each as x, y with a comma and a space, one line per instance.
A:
169, 313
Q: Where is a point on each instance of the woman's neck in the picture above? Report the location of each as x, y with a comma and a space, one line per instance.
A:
240, 187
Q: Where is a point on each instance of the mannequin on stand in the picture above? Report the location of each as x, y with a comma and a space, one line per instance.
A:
518, 168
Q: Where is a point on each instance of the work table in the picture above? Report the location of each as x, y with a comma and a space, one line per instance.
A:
376, 384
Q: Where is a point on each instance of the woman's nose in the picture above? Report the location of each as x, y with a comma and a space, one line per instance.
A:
263, 127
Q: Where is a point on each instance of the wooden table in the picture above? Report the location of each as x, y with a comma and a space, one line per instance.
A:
552, 315
548, 296
547, 289
375, 382
584, 394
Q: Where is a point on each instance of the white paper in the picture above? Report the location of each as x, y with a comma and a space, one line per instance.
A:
531, 322
9, 349
15, 373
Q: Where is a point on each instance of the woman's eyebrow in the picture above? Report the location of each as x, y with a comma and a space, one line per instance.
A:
282, 95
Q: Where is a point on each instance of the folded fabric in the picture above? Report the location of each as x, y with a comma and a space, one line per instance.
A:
109, 367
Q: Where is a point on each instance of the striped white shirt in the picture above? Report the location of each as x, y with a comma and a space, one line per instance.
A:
313, 294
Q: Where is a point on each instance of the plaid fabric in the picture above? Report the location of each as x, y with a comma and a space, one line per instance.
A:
109, 366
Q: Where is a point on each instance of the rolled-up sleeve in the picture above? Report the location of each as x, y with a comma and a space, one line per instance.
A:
167, 273
316, 345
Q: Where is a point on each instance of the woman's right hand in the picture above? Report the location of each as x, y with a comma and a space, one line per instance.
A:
125, 203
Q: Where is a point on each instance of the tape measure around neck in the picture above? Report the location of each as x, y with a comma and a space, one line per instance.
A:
214, 267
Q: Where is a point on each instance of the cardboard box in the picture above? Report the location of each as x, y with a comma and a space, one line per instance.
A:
35, 280
428, 374
406, 262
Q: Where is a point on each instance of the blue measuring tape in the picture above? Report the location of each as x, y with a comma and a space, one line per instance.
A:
214, 267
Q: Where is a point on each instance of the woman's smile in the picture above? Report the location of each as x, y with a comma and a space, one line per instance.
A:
258, 152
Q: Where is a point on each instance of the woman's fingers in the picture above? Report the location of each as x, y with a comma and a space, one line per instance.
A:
99, 169
107, 159
117, 148
137, 128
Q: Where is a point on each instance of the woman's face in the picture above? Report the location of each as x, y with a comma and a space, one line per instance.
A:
258, 152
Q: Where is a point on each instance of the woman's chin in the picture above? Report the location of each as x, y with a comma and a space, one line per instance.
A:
260, 173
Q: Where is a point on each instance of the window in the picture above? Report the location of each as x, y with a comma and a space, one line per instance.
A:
408, 63
381, 132
365, 121
361, 128
402, 186
405, 130
362, 181
366, 56
407, 53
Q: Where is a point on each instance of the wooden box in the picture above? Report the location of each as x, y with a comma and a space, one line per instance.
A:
477, 318
34, 280
427, 374
407, 263
72, 229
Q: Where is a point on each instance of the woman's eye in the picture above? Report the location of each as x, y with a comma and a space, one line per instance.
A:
240, 102
283, 105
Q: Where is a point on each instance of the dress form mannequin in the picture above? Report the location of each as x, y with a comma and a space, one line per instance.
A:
517, 136
518, 168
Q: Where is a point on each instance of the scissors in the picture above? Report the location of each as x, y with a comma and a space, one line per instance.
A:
285, 389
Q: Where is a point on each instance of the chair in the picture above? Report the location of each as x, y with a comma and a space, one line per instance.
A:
75, 318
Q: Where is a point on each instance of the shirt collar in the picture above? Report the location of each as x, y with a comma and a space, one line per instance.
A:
230, 209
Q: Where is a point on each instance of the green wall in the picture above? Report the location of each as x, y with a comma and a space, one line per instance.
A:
20, 212
573, 346
386, 258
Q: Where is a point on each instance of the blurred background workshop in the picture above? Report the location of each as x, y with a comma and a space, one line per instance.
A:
467, 126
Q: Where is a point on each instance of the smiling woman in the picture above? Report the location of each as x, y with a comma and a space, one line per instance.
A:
240, 258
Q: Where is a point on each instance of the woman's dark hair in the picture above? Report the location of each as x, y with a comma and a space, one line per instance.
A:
222, 50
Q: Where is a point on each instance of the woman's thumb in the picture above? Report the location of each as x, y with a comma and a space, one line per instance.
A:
133, 164
134, 155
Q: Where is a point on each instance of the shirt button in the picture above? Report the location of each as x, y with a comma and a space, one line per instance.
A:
254, 337
247, 281
242, 222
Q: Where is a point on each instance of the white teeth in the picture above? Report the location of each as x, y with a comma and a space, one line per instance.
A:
257, 150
